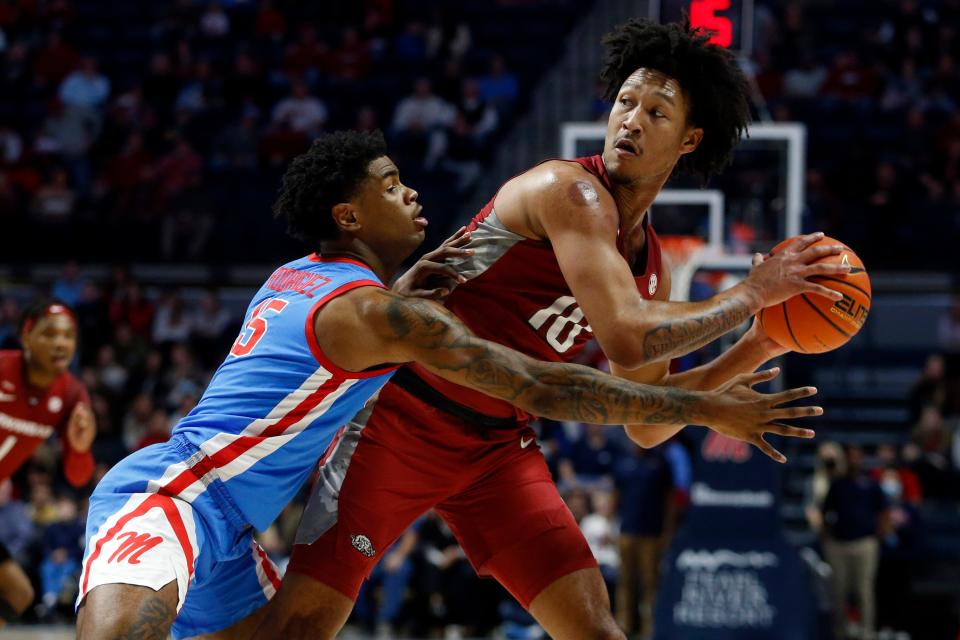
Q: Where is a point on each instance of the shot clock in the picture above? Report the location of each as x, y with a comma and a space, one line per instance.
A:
731, 21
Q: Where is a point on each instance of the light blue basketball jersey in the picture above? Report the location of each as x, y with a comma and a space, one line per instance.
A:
276, 402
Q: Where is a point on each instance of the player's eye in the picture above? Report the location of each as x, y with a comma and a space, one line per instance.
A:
658, 114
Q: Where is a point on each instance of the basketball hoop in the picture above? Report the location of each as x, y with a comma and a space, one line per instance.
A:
689, 254
680, 251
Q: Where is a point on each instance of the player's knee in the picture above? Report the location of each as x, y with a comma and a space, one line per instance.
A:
305, 608
293, 623
610, 631
16, 592
614, 634
604, 627
20, 597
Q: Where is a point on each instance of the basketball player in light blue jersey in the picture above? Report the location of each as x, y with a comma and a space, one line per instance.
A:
170, 530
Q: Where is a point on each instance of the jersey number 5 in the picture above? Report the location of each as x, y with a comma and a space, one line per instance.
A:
255, 329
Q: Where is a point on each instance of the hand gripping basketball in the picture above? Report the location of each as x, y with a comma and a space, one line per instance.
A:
738, 411
812, 323
792, 270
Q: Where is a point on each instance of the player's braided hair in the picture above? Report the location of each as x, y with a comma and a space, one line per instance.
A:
329, 173
710, 76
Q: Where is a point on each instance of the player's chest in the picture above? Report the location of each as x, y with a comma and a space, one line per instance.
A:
24, 402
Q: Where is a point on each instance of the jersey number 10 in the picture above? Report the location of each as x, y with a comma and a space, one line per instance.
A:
574, 316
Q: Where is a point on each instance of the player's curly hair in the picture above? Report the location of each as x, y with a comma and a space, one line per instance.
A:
329, 173
709, 74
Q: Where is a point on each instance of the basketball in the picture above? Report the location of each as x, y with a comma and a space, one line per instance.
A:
810, 323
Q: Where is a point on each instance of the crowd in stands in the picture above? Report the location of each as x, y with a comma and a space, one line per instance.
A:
870, 507
878, 86
170, 123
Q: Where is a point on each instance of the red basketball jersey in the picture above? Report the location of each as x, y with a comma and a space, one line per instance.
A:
516, 295
29, 415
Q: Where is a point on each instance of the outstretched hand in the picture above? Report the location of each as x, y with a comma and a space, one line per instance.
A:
742, 413
431, 277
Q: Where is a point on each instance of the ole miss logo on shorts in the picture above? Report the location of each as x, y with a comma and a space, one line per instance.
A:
133, 547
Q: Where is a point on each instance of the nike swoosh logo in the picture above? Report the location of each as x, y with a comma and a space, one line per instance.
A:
524, 443
7, 397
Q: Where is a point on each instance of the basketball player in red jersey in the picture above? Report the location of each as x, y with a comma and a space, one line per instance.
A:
39, 397
563, 252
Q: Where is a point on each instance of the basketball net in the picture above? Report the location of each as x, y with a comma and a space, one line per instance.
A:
689, 254
681, 253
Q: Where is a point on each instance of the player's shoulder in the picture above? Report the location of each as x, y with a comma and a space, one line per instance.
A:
73, 385
563, 194
374, 307
354, 310
10, 361
569, 184
551, 173
385, 313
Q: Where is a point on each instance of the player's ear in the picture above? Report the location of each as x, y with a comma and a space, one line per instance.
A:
26, 342
345, 217
691, 140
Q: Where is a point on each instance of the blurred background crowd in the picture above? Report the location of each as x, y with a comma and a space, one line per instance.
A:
144, 133
171, 121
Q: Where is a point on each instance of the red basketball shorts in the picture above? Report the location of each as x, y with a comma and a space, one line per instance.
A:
401, 457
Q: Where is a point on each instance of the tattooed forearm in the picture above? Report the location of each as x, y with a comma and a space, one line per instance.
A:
594, 397
678, 337
560, 391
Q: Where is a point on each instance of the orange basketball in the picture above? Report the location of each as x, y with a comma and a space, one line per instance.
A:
809, 323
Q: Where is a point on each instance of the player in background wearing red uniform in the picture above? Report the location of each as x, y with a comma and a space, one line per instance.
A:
39, 397
563, 251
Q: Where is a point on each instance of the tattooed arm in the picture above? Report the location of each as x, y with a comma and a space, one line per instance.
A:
749, 353
368, 327
561, 203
